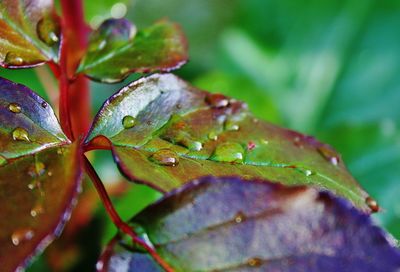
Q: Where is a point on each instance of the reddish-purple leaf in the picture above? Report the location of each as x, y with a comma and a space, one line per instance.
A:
165, 132
117, 50
230, 224
29, 33
39, 175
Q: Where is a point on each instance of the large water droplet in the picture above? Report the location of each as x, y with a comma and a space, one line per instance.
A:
13, 59
191, 144
217, 100
47, 31
14, 107
329, 154
3, 160
165, 157
228, 152
128, 121
254, 262
21, 235
372, 204
20, 134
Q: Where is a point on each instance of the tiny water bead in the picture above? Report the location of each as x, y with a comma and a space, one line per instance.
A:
14, 108
240, 217
191, 144
217, 100
165, 157
128, 121
228, 152
22, 235
44, 104
213, 136
231, 125
13, 59
20, 134
372, 204
37, 210
329, 154
254, 262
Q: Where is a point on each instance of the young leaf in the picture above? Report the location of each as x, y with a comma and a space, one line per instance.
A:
165, 132
116, 50
39, 175
29, 33
230, 224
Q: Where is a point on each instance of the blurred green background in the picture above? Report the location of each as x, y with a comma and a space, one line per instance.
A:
325, 68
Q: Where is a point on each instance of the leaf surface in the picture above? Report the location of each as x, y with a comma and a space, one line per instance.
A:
116, 50
165, 132
230, 224
39, 175
29, 33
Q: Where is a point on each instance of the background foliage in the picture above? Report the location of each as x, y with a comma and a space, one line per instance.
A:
326, 68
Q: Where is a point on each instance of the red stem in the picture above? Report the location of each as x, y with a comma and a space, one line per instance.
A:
74, 90
121, 225
102, 263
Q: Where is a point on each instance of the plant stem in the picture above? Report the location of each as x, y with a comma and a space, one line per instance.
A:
76, 88
121, 225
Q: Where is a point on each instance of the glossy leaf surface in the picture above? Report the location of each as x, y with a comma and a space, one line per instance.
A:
165, 132
27, 123
39, 175
29, 33
116, 50
229, 224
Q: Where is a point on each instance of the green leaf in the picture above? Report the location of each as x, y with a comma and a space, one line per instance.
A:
116, 50
29, 33
39, 175
230, 224
165, 132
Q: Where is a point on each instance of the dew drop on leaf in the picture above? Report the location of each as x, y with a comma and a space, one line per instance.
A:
308, 172
372, 204
213, 136
37, 210
20, 134
128, 121
14, 108
165, 157
21, 235
13, 59
329, 154
254, 262
191, 145
228, 152
44, 104
231, 125
217, 100
240, 217
46, 31
124, 70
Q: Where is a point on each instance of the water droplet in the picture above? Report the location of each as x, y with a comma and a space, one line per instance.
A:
165, 157
228, 152
191, 145
231, 125
217, 100
21, 235
14, 107
240, 217
20, 134
329, 154
213, 136
47, 31
13, 59
254, 262
102, 44
372, 204
308, 172
37, 210
50, 173
44, 104
128, 121
124, 70
3, 160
